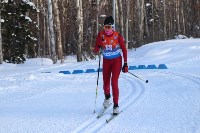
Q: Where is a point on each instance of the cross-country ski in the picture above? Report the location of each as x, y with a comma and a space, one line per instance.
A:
112, 117
103, 111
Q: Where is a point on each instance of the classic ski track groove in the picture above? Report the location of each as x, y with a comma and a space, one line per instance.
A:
191, 78
93, 124
137, 89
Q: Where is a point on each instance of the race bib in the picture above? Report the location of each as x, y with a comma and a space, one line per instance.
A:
109, 47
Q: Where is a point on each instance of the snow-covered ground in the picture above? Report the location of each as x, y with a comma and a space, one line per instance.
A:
36, 98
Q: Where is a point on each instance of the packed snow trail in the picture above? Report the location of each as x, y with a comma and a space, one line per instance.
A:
163, 109
94, 125
138, 90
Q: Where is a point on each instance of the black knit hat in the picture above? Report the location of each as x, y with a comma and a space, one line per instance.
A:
109, 21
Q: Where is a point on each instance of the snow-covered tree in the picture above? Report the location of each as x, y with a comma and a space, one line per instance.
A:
17, 29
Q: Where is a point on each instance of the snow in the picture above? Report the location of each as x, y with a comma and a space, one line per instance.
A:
36, 98
148, 4
2, 20
4, 1
28, 18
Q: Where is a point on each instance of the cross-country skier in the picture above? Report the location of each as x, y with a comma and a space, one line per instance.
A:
111, 43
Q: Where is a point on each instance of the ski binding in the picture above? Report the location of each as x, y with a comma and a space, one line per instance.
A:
103, 111
112, 117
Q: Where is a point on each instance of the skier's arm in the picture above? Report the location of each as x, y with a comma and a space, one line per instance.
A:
124, 50
123, 47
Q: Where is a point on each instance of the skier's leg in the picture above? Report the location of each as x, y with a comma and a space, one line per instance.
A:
106, 80
116, 68
106, 77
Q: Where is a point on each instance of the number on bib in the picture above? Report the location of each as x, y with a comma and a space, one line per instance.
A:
109, 47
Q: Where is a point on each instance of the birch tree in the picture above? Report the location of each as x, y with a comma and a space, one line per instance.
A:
58, 31
177, 17
141, 14
51, 29
121, 18
153, 33
38, 32
164, 15
127, 21
80, 30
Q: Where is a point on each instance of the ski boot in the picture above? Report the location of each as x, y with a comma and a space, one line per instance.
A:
106, 103
115, 110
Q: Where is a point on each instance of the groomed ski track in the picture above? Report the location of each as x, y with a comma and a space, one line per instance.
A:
137, 90
93, 124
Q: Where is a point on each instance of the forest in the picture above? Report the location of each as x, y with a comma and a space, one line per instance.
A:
58, 28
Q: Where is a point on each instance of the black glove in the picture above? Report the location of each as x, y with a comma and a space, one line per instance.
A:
125, 68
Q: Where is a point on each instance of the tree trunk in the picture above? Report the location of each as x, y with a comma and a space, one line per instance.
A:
164, 21
153, 22
183, 18
64, 24
97, 19
121, 18
146, 28
141, 20
38, 32
80, 30
1, 53
177, 17
127, 21
52, 34
58, 31
47, 49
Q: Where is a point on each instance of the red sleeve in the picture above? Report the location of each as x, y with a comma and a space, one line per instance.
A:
123, 47
98, 43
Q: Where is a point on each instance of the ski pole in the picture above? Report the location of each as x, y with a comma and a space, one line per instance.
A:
97, 82
139, 77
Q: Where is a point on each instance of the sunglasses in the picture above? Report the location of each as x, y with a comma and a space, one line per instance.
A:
108, 26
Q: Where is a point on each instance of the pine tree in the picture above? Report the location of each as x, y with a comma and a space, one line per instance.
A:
17, 29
